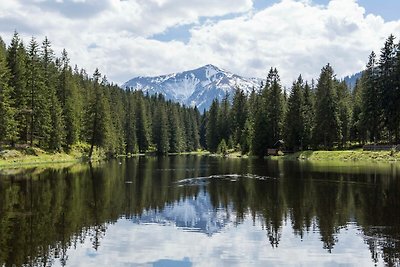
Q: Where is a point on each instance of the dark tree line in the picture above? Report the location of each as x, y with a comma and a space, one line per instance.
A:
44, 102
322, 115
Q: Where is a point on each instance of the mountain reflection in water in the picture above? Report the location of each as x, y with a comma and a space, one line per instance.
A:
188, 210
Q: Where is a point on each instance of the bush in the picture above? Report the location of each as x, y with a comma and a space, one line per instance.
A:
30, 151
222, 148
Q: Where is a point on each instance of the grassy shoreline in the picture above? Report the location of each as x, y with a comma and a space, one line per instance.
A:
29, 160
41, 160
22, 159
31, 157
343, 155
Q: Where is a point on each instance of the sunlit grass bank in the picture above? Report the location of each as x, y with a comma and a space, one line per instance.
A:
345, 155
32, 156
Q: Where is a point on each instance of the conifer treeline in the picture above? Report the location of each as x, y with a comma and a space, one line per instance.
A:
44, 102
324, 115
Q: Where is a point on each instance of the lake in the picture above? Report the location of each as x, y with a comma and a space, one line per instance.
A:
201, 211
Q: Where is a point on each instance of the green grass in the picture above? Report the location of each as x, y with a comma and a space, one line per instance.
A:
32, 156
345, 155
45, 158
28, 157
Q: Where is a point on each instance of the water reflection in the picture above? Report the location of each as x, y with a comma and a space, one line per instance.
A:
149, 211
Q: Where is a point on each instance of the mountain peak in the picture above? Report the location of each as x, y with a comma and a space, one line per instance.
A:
211, 66
198, 87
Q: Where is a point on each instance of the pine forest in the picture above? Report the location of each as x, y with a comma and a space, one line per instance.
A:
47, 103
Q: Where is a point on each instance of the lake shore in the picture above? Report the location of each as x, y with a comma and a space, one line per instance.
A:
32, 156
343, 155
20, 160
35, 157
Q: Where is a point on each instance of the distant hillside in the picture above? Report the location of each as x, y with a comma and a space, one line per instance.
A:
351, 80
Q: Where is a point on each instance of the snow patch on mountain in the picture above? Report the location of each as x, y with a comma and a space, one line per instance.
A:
198, 87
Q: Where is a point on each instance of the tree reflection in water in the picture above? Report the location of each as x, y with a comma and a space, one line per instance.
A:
43, 213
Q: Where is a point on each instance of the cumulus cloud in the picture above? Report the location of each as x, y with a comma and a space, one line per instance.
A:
119, 36
296, 36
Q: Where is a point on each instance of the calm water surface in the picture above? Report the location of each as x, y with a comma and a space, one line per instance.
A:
201, 211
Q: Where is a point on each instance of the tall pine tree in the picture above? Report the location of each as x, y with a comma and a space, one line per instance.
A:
55, 139
160, 130
142, 123
8, 123
212, 134
294, 120
344, 111
327, 123
274, 107
16, 57
309, 115
70, 101
239, 114
371, 118
38, 104
130, 125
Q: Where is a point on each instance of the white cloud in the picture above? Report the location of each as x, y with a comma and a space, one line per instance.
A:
296, 37
116, 36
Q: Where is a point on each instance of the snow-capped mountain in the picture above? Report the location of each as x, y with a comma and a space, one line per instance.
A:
198, 87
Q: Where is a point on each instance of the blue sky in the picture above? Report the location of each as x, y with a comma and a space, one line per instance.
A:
151, 37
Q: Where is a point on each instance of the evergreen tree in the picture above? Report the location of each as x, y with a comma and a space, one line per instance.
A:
176, 138
357, 131
109, 121
274, 107
56, 134
38, 104
87, 94
142, 124
386, 86
308, 116
3, 51
259, 123
98, 116
69, 100
248, 131
396, 94
8, 124
130, 125
344, 111
371, 118
247, 137
160, 131
239, 116
57, 124
203, 130
16, 57
294, 120
212, 135
327, 110
222, 147
191, 129
223, 121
